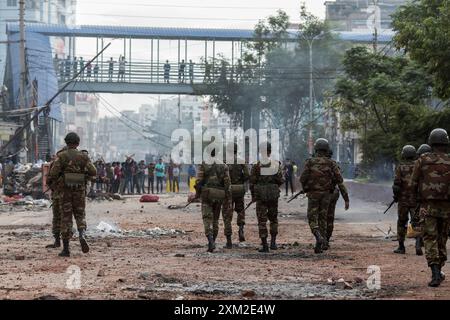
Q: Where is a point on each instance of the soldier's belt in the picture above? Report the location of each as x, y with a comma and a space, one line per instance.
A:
237, 190
74, 179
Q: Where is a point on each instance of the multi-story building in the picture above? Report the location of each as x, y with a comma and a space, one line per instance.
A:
81, 118
348, 15
46, 11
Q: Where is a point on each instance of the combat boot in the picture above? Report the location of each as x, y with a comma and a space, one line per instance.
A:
273, 242
265, 246
211, 245
319, 241
56, 244
325, 245
435, 276
65, 251
241, 234
229, 244
401, 248
83, 242
441, 274
419, 251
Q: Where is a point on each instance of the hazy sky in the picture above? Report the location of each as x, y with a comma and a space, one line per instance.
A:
175, 13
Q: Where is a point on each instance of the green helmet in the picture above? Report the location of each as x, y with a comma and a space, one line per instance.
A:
424, 148
438, 137
321, 144
408, 152
72, 138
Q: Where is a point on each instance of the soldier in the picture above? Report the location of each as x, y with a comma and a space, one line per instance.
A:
403, 195
213, 187
318, 179
56, 206
339, 188
430, 181
424, 148
265, 191
72, 167
239, 175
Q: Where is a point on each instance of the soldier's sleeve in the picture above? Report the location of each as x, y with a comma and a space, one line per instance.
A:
55, 170
343, 191
305, 175
91, 170
415, 177
200, 174
338, 179
253, 178
397, 182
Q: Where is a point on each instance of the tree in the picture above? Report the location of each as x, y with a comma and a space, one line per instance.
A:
423, 31
383, 98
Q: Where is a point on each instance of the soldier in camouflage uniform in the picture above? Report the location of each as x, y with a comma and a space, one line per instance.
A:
430, 181
338, 188
71, 168
319, 178
404, 196
265, 191
56, 207
213, 187
239, 175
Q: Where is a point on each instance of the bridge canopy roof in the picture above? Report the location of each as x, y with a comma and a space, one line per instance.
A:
173, 33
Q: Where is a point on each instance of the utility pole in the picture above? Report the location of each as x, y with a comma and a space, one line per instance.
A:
23, 71
311, 102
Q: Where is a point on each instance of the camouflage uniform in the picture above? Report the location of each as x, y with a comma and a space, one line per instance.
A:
214, 176
404, 194
239, 174
56, 204
265, 191
430, 181
72, 198
319, 178
332, 207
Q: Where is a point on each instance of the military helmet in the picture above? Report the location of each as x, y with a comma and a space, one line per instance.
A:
72, 138
408, 152
321, 144
424, 148
438, 136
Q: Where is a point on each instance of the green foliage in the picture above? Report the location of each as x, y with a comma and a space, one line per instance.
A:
423, 31
384, 99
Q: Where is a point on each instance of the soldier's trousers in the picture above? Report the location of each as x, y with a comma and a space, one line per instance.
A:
330, 214
56, 221
435, 239
227, 213
404, 212
210, 216
267, 210
318, 205
73, 204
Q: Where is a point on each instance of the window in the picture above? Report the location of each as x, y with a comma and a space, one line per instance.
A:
11, 3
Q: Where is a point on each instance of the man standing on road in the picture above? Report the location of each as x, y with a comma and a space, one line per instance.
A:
318, 179
141, 177
213, 186
431, 182
55, 186
151, 177
73, 167
265, 191
239, 175
404, 196
160, 169
289, 176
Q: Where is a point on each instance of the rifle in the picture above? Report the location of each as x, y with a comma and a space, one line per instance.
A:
392, 203
296, 195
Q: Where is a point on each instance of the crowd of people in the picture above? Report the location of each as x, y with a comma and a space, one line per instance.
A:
132, 177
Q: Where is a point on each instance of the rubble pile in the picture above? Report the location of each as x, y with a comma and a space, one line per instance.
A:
101, 196
25, 179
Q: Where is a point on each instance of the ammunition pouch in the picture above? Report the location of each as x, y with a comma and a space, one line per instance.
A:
237, 190
213, 194
74, 180
267, 192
